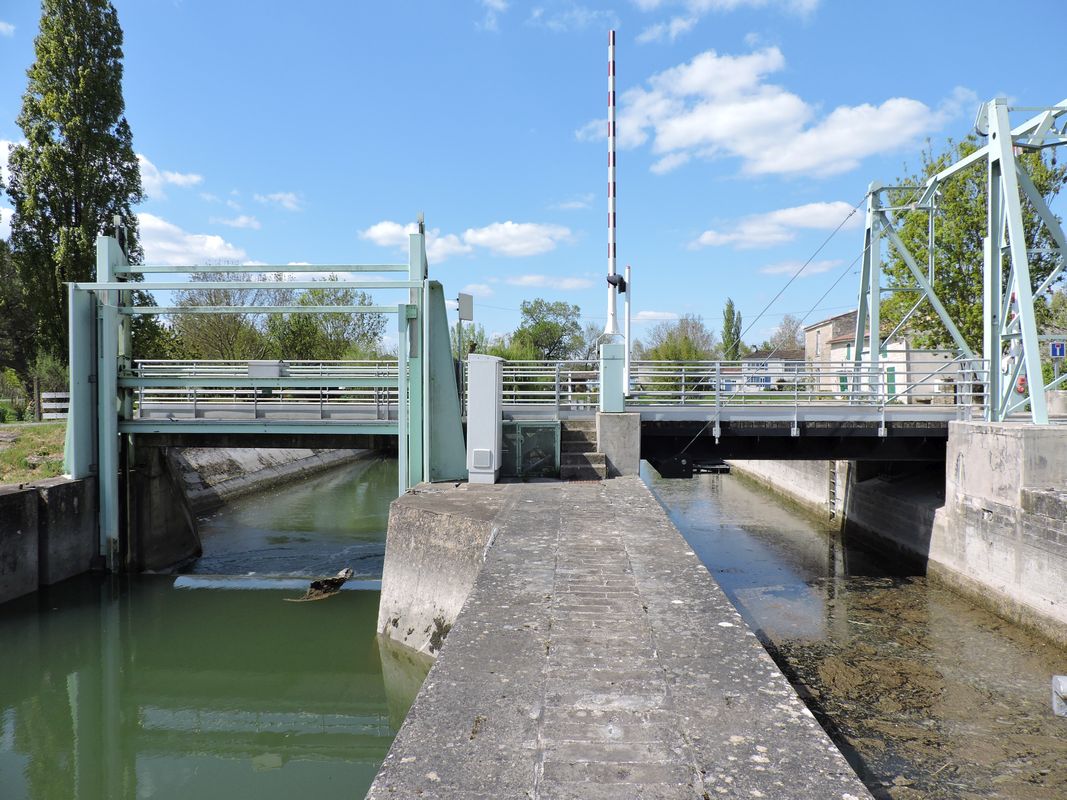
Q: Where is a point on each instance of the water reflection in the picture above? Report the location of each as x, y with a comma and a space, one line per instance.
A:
141, 689
211, 685
930, 696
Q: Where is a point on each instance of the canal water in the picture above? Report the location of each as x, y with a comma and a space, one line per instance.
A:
204, 685
928, 695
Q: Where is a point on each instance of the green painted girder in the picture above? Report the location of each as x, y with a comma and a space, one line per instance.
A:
159, 269
134, 311
353, 427
226, 381
174, 286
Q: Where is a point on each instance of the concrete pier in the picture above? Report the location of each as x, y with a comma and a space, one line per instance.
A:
595, 657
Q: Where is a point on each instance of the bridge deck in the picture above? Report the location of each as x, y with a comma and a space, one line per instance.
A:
597, 658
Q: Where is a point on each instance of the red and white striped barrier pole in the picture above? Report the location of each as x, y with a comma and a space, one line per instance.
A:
612, 327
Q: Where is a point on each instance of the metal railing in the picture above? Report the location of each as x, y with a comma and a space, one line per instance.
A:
303, 389
368, 389
922, 378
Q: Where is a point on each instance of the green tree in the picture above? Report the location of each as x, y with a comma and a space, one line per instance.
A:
731, 332
683, 339
475, 340
16, 321
77, 169
226, 336
959, 230
552, 331
326, 336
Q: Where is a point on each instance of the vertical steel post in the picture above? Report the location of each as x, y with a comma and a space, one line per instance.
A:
1002, 153
402, 396
874, 299
107, 258
626, 334
79, 452
417, 360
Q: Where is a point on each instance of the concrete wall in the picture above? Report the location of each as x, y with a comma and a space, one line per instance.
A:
47, 534
66, 524
212, 476
804, 482
1002, 532
163, 530
436, 544
18, 542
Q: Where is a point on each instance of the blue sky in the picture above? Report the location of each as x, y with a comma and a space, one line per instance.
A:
315, 132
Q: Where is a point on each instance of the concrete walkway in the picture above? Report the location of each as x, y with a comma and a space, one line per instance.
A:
597, 658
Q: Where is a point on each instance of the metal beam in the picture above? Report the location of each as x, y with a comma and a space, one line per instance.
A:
261, 426
173, 286
163, 269
231, 381
134, 311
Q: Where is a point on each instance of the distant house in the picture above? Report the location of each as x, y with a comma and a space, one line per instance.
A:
829, 349
771, 369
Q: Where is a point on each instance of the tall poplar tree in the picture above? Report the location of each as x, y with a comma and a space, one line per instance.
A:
731, 331
77, 169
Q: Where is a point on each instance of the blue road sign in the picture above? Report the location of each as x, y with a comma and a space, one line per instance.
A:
1056, 349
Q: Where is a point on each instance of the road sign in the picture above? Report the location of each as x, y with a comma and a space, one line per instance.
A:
1056, 349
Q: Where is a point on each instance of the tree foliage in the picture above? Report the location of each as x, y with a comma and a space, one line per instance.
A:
789, 335
549, 331
16, 321
731, 332
683, 339
77, 169
254, 334
959, 231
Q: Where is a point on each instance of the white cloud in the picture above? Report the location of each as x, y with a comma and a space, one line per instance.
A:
493, 10
574, 18
723, 105
510, 239
576, 203
166, 243
654, 316
671, 29
667, 31
779, 227
5, 222
240, 221
790, 267
478, 290
438, 248
153, 179
290, 201
549, 281
517, 239
7, 29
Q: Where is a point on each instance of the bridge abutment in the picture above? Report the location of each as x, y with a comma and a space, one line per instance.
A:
162, 529
618, 437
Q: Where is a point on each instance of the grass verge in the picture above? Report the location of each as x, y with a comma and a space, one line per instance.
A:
31, 452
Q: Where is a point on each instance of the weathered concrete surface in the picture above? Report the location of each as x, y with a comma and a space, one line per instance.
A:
18, 542
597, 658
213, 475
1001, 535
435, 546
618, 437
804, 482
66, 528
164, 526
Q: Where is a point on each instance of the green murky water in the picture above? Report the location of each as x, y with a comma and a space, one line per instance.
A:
198, 686
928, 695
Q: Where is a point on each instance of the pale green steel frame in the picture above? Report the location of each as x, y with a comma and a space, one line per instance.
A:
428, 425
1010, 336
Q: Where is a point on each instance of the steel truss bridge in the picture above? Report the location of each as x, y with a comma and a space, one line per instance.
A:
118, 400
